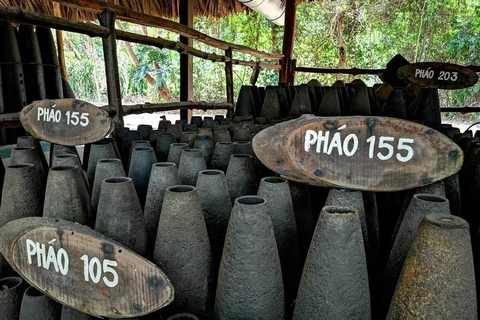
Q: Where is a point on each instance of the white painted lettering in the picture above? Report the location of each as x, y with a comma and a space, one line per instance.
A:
41, 255
95, 269
335, 143
322, 138
40, 112
62, 261
310, 139
31, 250
51, 258
351, 152
58, 116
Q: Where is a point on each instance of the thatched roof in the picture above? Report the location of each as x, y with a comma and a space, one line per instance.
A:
162, 8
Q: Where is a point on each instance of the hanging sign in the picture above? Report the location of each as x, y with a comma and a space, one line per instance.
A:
67, 122
359, 153
84, 270
438, 75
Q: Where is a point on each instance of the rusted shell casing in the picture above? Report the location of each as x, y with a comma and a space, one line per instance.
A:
140, 169
276, 192
304, 219
250, 282
420, 206
164, 175
221, 155
182, 250
175, 152
437, 280
28, 155
106, 168
122, 220
37, 306
164, 140
241, 176
67, 197
144, 130
11, 293
337, 197
98, 150
204, 143
330, 104
176, 130
23, 193
127, 140
215, 201
271, 105
29, 142
191, 163
334, 284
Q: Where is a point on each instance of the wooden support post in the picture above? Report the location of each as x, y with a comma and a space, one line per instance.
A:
61, 54
186, 61
291, 73
288, 38
107, 19
255, 74
229, 79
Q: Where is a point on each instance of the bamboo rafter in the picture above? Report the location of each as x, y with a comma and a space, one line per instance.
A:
148, 20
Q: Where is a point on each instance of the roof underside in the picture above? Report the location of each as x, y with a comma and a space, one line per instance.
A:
161, 8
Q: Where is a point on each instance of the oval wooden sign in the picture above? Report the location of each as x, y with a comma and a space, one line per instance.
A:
68, 122
84, 270
438, 75
358, 153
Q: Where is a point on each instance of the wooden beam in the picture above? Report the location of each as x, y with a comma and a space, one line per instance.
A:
182, 105
167, 44
288, 40
18, 15
148, 20
253, 64
185, 49
12, 120
353, 71
107, 19
186, 61
461, 109
229, 76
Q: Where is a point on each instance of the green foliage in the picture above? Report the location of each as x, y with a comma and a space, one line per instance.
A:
372, 32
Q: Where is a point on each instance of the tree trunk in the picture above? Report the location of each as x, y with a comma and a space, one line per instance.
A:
163, 93
341, 49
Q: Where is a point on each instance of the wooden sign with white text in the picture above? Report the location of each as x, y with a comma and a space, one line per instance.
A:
358, 153
438, 75
68, 122
84, 270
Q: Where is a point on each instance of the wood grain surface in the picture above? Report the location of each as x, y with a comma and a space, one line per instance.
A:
438, 75
84, 270
360, 153
67, 122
